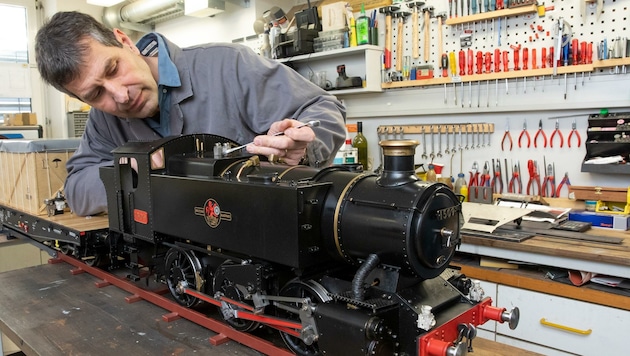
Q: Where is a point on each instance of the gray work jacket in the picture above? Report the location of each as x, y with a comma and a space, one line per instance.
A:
227, 90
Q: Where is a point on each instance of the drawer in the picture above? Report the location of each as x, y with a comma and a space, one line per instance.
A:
546, 351
578, 327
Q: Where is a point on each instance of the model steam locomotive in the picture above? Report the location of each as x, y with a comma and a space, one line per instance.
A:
341, 261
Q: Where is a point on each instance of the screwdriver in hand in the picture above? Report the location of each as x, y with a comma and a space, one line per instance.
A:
312, 123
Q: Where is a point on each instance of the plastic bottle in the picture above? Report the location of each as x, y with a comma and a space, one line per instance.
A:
464, 192
360, 143
352, 33
460, 185
431, 175
363, 28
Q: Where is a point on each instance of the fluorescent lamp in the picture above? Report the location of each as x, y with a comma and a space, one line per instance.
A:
203, 8
104, 3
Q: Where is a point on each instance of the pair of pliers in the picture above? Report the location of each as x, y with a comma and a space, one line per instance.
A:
565, 180
516, 180
549, 181
532, 168
540, 132
485, 176
556, 131
526, 134
474, 175
497, 182
576, 133
508, 136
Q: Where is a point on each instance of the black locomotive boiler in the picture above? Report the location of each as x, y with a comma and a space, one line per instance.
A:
341, 261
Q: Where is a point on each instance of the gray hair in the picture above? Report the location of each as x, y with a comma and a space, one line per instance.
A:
61, 43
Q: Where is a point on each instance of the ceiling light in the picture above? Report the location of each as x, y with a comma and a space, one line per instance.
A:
104, 3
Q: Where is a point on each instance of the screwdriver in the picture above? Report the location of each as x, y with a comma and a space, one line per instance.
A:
479, 65
574, 50
462, 70
506, 61
565, 58
312, 123
488, 61
525, 60
453, 66
444, 66
470, 61
497, 69
534, 66
543, 59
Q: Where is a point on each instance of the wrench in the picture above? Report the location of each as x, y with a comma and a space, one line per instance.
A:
439, 154
424, 141
447, 150
466, 128
432, 155
479, 137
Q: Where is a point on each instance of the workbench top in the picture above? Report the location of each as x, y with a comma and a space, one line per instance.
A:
46, 310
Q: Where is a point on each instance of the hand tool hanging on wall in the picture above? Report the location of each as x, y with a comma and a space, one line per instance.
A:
549, 182
453, 66
524, 133
534, 179
444, 67
558, 132
516, 180
576, 133
540, 132
388, 10
428, 11
508, 136
565, 180
440, 18
400, 23
414, 25
497, 181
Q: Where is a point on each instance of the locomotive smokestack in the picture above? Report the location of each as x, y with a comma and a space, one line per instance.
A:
398, 162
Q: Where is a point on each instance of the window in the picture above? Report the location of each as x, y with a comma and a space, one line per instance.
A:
14, 54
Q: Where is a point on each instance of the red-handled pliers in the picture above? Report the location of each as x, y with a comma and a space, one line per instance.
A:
576, 133
508, 136
549, 182
497, 181
540, 132
565, 180
524, 132
516, 180
474, 175
556, 131
485, 176
532, 167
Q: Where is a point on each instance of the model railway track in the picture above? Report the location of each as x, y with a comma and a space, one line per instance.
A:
224, 332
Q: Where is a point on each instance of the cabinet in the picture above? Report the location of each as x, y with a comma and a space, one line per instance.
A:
555, 325
76, 123
360, 61
608, 135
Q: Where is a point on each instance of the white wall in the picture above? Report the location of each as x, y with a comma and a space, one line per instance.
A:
425, 105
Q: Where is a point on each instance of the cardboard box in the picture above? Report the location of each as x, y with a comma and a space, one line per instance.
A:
20, 119
32, 171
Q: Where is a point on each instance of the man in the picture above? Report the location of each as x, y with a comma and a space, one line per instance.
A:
155, 89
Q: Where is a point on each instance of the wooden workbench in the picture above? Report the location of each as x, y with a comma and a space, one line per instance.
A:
46, 310
570, 254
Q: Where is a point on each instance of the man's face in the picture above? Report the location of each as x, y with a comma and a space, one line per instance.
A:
118, 81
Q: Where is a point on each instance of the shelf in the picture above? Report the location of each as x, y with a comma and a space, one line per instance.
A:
582, 68
335, 53
492, 15
364, 61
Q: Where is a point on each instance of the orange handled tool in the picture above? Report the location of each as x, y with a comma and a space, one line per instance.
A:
488, 61
516, 59
506, 61
574, 51
470, 61
497, 60
582, 55
551, 57
534, 66
589, 53
525, 57
543, 58
479, 61
462, 62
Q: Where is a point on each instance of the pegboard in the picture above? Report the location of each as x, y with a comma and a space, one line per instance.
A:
530, 30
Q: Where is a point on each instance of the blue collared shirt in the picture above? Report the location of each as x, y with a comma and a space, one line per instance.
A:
150, 45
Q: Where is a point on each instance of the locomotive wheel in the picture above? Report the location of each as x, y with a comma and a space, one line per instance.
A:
300, 289
231, 291
183, 270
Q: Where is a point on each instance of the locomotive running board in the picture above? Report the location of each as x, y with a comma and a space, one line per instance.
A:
492, 216
225, 333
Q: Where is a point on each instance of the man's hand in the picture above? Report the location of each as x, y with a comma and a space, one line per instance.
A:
290, 147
